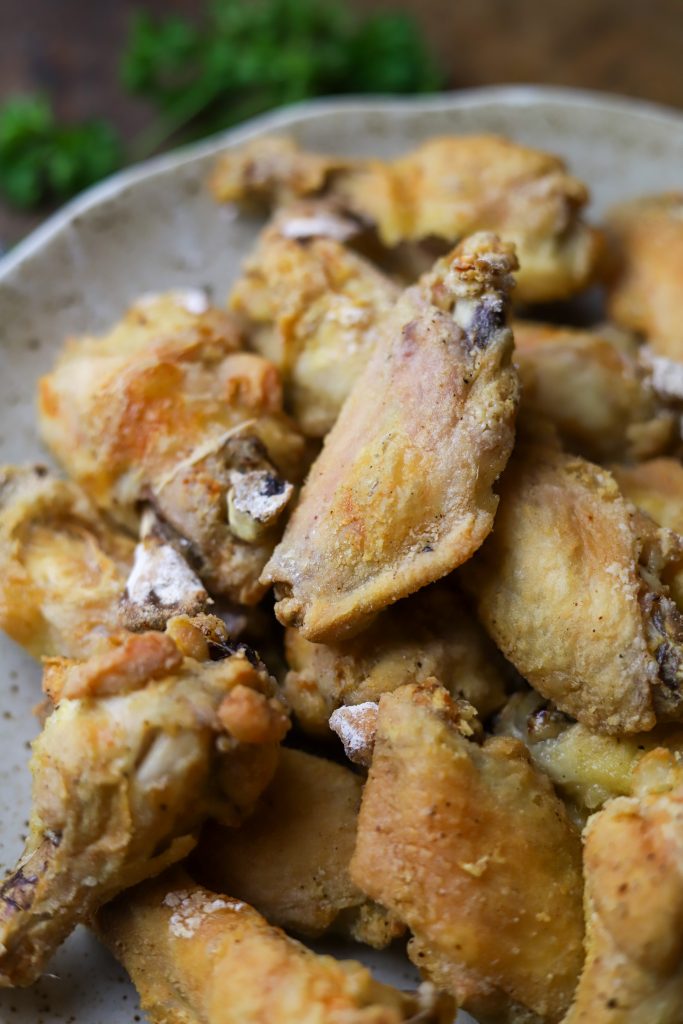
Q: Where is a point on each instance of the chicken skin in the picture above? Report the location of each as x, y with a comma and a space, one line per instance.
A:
634, 903
593, 387
645, 292
63, 568
290, 859
431, 633
446, 189
569, 586
470, 846
167, 409
313, 307
402, 491
143, 745
195, 956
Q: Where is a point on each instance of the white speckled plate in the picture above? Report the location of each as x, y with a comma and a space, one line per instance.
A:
155, 227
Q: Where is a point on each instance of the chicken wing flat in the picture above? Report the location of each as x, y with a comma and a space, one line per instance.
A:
143, 745
470, 846
167, 409
196, 956
447, 188
63, 568
315, 308
402, 491
431, 633
290, 859
634, 904
645, 294
593, 387
569, 587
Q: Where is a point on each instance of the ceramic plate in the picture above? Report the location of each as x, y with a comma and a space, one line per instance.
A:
155, 227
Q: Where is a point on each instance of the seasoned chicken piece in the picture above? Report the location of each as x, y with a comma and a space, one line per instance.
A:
430, 633
470, 846
657, 488
593, 387
569, 587
645, 293
166, 409
313, 307
402, 491
195, 957
62, 566
447, 188
290, 860
634, 904
142, 747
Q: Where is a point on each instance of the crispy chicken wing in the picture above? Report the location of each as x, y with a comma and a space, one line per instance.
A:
167, 409
402, 491
143, 745
645, 293
470, 846
593, 387
290, 860
196, 957
313, 307
431, 633
62, 567
569, 587
447, 188
634, 904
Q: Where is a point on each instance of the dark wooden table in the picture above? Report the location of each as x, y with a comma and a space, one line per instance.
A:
69, 49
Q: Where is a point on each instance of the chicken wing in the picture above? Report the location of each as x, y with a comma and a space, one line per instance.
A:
593, 387
195, 957
62, 567
402, 491
290, 860
470, 846
166, 409
143, 745
569, 587
430, 633
645, 292
447, 188
315, 308
634, 904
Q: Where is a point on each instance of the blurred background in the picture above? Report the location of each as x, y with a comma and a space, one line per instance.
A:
87, 86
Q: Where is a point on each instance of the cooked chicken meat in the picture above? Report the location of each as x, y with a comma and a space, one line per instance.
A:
143, 745
447, 188
569, 587
167, 409
470, 846
431, 633
196, 956
402, 491
62, 566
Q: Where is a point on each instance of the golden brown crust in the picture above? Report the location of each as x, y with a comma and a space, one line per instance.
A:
470, 847
398, 498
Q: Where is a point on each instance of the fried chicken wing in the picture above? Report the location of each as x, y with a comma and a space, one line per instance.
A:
593, 387
143, 745
62, 567
167, 409
569, 587
431, 633
402, 491
470, 846
645, 293
447, 188
315, 308
196, 956
634, 904
290, 860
